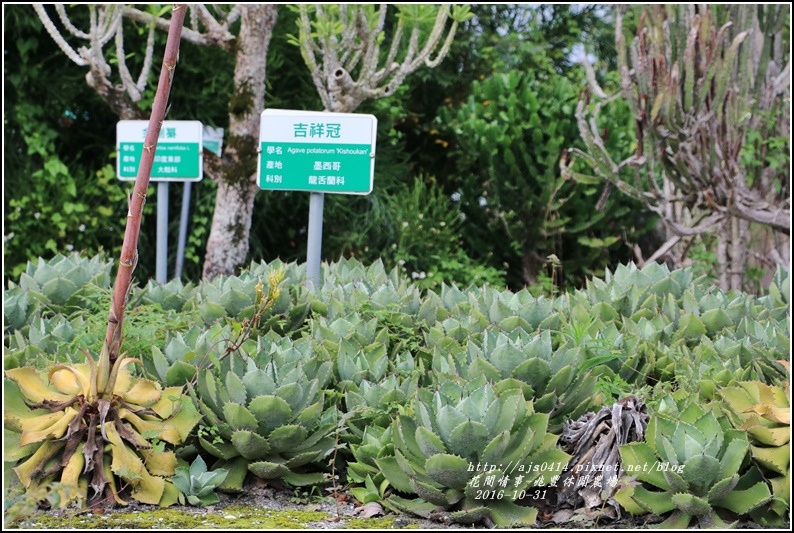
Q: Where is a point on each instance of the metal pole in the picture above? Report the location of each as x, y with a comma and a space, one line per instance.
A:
183, 218
162, 232
315, 240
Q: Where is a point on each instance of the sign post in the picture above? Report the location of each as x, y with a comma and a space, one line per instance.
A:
178, 158
314, 239
318, 153
212, 140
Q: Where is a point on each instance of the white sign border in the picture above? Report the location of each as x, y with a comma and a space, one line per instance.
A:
322, 115
166, 123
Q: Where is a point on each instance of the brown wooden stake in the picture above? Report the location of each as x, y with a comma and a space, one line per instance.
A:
129, 249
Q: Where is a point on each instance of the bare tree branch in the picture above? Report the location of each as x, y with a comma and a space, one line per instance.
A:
135, 89
345, 64
188, 34
695, 92
57, 37
68, 23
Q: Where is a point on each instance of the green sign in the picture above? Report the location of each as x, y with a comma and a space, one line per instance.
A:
178, 156
317, 152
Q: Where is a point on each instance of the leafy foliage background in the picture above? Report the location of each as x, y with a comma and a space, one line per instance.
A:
481, 154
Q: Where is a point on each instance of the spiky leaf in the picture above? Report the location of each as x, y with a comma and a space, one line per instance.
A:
691, 505
270, 411
239, 417
448, 470
268, 470
250, 445
701, 472
506, 514
468, 439
744, 501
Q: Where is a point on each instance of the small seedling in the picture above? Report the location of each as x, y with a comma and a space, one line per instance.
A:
196, 484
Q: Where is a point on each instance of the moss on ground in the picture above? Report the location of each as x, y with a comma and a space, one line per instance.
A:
232, 517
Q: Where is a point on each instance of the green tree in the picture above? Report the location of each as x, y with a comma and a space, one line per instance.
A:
465, 122
497, 39
227, 244
60, 192
415, 151
510, 139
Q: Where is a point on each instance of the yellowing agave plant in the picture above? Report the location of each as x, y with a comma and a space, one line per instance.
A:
764, 413
85, 424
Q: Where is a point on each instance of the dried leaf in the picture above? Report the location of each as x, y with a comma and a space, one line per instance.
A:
593, 441
562, 516
341, 497
368, 511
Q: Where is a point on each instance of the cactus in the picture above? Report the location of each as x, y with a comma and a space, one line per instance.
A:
707, 88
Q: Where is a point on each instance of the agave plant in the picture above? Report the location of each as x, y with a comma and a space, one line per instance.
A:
693, 465
239, 297
352, 328
461, 328
185, 353
62, 284
512, 311
371, 405
170, 296
273, 417
670, 324
43, 339
15, 309
290, 310
196, 485
375, 443
83, 424
348, 283
550, 376
355, 363
764, 412
460, 439
225, 296
361, 349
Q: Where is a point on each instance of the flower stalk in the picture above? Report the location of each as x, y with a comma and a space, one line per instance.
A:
129, 249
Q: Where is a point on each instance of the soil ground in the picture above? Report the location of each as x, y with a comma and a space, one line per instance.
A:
263, 507
268, 508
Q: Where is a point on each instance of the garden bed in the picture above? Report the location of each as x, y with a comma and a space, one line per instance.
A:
267, 508
648, 396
